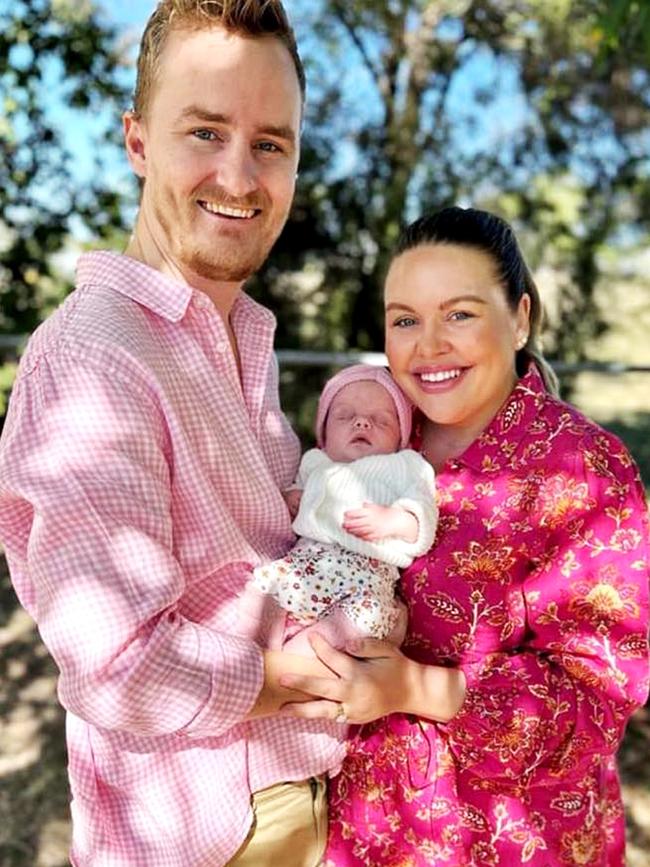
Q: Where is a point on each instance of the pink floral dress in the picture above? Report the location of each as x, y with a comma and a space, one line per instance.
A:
537, 588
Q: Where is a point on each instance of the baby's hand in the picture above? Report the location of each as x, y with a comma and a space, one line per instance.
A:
292, 498
373, 523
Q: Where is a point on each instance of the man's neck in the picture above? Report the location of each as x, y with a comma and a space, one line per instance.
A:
144, 248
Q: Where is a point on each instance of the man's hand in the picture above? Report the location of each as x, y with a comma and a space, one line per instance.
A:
373, 523
273, 694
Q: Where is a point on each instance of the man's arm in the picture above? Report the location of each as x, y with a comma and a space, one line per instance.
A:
86, 461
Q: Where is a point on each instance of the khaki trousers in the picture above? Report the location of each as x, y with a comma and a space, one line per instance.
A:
289, 827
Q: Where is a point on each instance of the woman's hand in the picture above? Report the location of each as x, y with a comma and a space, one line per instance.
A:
372, 680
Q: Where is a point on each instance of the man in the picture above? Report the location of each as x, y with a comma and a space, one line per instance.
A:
142, 465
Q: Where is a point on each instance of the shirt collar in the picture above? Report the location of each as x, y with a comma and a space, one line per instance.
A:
502, 436
158, 292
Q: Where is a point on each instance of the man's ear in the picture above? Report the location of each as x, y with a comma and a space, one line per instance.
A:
134, 141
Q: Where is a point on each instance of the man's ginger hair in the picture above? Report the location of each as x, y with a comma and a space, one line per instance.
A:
254, 18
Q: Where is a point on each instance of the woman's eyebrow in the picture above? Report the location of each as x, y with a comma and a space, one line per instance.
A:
476, 299
395, 305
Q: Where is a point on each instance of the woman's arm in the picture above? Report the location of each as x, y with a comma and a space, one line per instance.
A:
373, 680
563, 697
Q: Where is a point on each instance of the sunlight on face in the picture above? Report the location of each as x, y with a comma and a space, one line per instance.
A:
218, 150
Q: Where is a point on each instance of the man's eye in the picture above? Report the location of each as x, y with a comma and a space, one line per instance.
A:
204, 134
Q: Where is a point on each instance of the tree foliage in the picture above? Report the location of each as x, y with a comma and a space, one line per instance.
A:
57, 57
538, 108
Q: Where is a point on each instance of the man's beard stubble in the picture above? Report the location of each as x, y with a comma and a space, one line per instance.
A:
232, 262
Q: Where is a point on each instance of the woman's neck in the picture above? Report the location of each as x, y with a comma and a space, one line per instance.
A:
441, 443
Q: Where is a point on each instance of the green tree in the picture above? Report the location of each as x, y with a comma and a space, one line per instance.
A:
415, 104
57, 57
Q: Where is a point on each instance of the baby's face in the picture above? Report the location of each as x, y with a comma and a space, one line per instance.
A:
362, 420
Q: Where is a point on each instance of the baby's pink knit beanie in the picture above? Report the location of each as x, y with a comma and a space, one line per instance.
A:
365, 372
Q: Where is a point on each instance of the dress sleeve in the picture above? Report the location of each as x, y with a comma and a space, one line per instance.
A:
548, 707
85, 457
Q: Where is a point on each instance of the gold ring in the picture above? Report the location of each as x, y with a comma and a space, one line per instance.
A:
341, 716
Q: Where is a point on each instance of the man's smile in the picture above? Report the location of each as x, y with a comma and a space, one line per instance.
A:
230, 211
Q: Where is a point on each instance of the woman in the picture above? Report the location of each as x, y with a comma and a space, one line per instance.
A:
491, 739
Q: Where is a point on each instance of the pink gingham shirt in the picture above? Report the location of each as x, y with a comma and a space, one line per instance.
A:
139, 483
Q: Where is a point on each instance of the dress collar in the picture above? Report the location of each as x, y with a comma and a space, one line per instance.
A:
506, 430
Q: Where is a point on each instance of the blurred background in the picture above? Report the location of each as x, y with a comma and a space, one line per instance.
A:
536, 109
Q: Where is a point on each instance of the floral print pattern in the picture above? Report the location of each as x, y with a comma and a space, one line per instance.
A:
537, 588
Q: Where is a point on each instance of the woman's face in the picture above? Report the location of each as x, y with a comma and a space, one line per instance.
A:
451, 336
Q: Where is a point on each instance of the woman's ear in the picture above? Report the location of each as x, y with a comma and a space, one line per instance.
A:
522, 324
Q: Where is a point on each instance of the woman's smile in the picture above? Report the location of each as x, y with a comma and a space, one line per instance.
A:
434, 380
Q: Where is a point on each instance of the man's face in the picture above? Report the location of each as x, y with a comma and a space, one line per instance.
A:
218, 149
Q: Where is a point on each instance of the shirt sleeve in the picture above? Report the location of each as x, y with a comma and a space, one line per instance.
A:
549, 707
85, 454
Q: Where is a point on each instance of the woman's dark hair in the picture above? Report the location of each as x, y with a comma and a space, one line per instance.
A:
481, 230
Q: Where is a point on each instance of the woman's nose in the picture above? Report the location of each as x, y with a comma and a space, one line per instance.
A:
434, 340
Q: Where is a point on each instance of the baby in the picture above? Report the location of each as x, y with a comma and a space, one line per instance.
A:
365, 506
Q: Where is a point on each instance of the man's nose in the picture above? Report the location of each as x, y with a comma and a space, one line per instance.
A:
236, 170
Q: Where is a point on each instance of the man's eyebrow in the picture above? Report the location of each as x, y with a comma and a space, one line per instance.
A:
196, 112
199, 113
